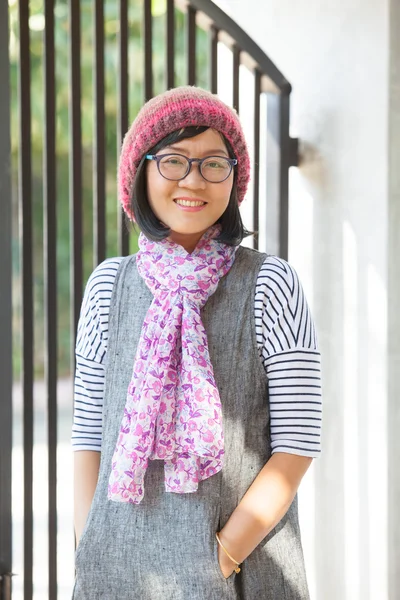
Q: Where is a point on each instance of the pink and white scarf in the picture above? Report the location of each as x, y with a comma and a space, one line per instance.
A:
173, 408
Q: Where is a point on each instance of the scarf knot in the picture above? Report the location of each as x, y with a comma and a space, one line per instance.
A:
173, 409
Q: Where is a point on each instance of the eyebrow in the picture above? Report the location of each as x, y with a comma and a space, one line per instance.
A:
181, 150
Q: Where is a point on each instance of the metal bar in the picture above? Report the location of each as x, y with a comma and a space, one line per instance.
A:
5, 586
170, 44
285, 163
5, 312
294, 159
236, 65
75, 186
148, 51
214, 60
191, 45
25, 205
256, 172
99, 166
123, 234
243, 40
50, 282
278, 163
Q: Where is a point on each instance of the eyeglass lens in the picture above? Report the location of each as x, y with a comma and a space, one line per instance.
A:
213, 168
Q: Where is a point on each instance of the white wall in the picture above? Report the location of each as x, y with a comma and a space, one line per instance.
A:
336, 56
394, 303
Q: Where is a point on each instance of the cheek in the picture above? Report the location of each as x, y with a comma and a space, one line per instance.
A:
151, 183
157, 188
226, 191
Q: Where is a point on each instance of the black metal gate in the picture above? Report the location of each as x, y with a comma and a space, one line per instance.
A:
5, 314
193, 33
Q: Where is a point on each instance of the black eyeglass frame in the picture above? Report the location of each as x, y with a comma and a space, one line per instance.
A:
157, 157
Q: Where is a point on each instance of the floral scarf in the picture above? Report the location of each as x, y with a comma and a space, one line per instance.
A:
173, 407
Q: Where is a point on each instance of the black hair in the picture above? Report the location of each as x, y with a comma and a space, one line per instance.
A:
232, 228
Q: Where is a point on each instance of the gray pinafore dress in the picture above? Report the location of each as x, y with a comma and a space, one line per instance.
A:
165, 547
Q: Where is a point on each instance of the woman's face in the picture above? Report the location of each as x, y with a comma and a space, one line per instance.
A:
187, 227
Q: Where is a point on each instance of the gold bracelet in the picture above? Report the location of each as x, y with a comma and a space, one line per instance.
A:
237, 568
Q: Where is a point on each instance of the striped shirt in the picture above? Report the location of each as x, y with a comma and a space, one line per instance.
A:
286, 342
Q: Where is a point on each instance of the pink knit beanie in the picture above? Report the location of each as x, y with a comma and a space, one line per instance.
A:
177, 108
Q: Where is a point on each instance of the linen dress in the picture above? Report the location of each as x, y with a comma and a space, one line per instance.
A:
165, 547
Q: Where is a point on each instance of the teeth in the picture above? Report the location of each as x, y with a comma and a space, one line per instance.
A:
189, 202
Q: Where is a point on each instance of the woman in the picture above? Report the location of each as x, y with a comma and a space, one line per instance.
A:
197, 398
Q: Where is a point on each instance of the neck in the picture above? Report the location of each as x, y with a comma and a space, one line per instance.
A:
187, 241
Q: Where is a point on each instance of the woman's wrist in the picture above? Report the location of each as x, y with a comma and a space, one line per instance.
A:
226, 559
231, 548
226, 565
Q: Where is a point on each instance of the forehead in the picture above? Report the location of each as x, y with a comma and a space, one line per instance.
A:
210, 140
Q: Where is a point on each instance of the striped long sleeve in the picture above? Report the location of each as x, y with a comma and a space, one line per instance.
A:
91, 349
287, 347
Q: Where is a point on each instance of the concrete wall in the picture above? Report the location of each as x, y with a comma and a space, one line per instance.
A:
344, 241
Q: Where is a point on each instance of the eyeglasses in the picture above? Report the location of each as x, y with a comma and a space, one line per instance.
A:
174, 167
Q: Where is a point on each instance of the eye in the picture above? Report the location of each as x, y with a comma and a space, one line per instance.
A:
215, 163
173, 161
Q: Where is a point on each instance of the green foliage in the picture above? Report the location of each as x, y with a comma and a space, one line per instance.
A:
136, 62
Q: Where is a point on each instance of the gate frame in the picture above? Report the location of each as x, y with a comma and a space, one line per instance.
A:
283, 154
5, 312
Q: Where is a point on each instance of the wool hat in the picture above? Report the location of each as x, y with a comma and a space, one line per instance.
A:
177, 108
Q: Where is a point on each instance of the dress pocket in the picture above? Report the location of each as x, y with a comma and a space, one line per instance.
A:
82, 541
216, 562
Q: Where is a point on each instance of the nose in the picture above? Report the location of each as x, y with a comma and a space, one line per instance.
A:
193, 179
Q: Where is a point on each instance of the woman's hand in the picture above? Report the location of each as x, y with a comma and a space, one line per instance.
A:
225, 564
261, 508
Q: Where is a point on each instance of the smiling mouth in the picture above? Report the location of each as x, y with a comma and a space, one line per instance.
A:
189, 202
